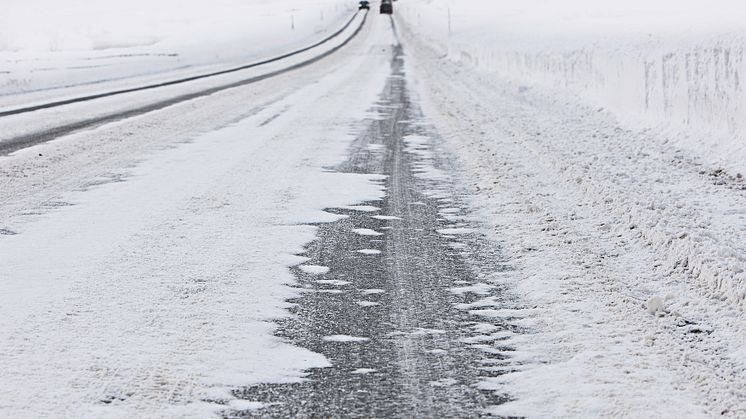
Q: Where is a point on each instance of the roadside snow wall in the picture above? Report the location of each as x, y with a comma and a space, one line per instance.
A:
673, 64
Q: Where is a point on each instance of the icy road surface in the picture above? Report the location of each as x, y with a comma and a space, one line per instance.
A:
381, 233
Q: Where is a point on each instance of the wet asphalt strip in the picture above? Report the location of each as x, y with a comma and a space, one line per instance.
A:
415, 358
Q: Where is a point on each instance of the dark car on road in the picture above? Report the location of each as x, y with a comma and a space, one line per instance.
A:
365, 4
387, 7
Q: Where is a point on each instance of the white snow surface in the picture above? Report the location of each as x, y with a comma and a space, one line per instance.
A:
153, 254
47, 44
314, 269
666, 64
345, 339
369, 251
622, 235
386, 217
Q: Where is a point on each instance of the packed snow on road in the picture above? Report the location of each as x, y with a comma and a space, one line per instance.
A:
309, 208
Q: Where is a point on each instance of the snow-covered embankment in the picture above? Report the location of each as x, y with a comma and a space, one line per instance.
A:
671, 63
673, 68
604, 144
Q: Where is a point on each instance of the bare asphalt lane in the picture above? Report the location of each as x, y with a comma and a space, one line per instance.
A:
385, 314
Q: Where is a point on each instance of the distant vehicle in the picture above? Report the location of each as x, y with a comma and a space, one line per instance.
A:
365, 4
387, 7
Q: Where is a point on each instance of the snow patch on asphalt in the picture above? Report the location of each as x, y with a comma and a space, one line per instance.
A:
369, 251
372, 291
386, 217
366, 232
344, 339
314, 269
481, 289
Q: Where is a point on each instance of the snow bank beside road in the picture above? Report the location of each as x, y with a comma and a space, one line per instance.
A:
629, 251
46, 43
664, 66
672, 64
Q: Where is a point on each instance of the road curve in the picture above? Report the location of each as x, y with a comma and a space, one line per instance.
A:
16, 143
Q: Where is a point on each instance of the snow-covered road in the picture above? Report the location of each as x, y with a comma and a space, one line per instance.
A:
142, 260
37, 117
382, 232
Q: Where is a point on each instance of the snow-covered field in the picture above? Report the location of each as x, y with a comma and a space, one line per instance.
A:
668, 63
48, 44
605, 146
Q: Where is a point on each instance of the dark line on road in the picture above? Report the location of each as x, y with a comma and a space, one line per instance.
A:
14, 144
173, 82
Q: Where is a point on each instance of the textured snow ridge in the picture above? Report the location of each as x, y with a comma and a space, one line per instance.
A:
677, 64
150, 260
627, 250
686, 87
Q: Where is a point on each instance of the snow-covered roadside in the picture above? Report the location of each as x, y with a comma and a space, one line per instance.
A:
627, 252
30, 124
671, 65
152, 293
48, 44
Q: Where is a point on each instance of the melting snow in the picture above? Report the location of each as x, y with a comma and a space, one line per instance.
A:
369, 251
373, 291
366, 232
344, 338
386, 217
314, 269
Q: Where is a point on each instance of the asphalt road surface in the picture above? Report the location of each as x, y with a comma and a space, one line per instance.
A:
286, 240
391, 288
